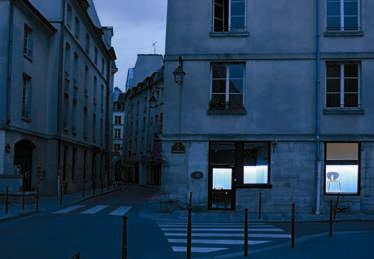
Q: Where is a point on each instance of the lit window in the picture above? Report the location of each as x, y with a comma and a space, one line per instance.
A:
342, 85
222, 178
256, 163
343, 15
342, 168
227, 86
229, 15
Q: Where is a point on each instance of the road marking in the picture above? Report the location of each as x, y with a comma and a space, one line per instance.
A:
218, 241
226, 229
183, 249
215, 225
95, 209
121, 211
69, 209
229, 235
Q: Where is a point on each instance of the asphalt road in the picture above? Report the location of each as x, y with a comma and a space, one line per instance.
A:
94, 228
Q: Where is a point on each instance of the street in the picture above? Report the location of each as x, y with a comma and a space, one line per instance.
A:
93, 228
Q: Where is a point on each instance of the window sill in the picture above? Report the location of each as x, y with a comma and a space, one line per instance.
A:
26, 119
229, 34
239, 111
343, 111
255, 186
344, 33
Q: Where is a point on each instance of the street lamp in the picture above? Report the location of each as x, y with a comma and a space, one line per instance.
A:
179, 73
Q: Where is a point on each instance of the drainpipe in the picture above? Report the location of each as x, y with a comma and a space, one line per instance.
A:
10, 62
59, 96
317, 111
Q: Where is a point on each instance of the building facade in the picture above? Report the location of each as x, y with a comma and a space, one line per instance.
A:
275, 99
56, 128
144, 123
118, 126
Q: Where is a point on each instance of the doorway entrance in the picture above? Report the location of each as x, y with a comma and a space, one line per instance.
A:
222, 193
23, 152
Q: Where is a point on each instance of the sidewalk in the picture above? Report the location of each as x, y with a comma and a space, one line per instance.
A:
50, 203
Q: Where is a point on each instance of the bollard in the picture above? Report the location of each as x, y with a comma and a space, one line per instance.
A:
246, 232
84, 189
76, 256
190, 201
260, 205
293, 226
37, 199
189, 234
6, 200
23, 200
331, 219
61, 194
124, 238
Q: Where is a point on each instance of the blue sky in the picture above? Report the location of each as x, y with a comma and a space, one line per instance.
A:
137, 24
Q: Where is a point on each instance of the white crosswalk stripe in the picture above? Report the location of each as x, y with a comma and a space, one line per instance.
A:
213, 237
121, 211
69, 209
95, 209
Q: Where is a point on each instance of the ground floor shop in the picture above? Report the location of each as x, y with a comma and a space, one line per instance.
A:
229, 175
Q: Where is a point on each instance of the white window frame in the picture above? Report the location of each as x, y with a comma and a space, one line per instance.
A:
342, 16
26, 104
27, 41
342, 86
229, 17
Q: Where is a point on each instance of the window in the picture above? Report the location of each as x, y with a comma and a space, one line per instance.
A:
26, 97
94, 128
342, 168
229, 15
74, 118
102, 97
95, 90
227, 86
27, 42
65, 155
118, 120
84, 165
85, 123
102, 66
67, 57
342, 85
66, 111
117, 148
69, 16
96, 56
101, 131
117, 133
75, 67
88, 44
77, 28
73, 165
343, 15
256, 163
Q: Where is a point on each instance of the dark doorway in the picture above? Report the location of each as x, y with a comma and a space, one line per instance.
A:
23, 151
118, 171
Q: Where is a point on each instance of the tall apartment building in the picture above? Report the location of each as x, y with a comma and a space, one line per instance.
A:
55, 126
270, 97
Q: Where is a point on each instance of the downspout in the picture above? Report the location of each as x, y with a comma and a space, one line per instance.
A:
317, 111
10, 62
59, 101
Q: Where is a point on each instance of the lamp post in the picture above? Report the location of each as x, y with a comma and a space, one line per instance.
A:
179, 74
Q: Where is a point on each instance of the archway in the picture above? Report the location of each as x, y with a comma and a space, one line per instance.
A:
23, 151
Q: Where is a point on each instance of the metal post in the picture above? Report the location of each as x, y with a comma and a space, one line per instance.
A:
293, 226
189, 234
6, 200
23, 200
84, 189
61, 193
190, 201
76, 256
37, 199
331, 219
124, 238
260, 205
246, 232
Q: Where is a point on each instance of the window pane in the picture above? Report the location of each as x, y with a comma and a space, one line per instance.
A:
351, 100
342, 179
218, 101
333, 85
236, 86
351, 85
351, 70
256, 163
350, 7
333, 100
219, 70
222, 179
235, 101
333, 8
342, 151
350, 23
333, 23
333, 70
237, 23
236, 70
219, 86
222, 153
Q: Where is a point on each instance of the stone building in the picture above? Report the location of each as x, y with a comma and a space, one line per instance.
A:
57, 68
144, 123
273, 98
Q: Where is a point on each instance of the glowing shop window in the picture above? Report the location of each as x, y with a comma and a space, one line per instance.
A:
342, 179
222, 178
255, 174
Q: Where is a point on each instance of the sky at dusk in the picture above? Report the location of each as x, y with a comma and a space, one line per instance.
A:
137, 24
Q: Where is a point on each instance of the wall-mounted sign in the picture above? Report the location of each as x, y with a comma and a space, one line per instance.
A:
178, 148
197, 175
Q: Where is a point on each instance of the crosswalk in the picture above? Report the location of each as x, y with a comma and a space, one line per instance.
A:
213, 237
96, 209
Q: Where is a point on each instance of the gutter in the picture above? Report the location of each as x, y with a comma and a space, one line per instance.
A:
317, 113
10, 62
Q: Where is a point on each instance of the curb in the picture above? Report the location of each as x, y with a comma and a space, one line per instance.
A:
18, 216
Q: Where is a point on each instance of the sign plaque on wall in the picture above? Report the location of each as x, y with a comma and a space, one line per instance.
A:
178, 148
